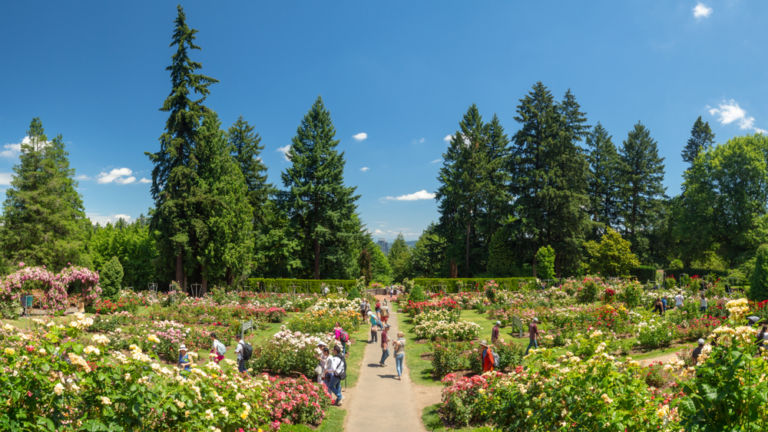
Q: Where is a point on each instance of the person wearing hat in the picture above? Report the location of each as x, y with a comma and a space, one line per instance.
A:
486, 357
184, 363
533, 335
495, 332
322, 359
697, 351
384, 345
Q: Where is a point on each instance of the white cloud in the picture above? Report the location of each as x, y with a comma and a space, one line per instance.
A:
82, 177
11, 150
448, 138
284, 150
701, 11
117, 175
145, 180
365, 169
438, 160
416, 196
5, 179
100, 219
362, 136
730, 112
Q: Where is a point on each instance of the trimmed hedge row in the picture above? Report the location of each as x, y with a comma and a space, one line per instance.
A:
451, 285
648, 273
310, 286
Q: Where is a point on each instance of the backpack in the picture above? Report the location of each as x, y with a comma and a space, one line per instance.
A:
247, 351
495, 359
343, 374
221, 349
344, 336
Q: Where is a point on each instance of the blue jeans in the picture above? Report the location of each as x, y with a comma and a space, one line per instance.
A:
384, 355
241, 366
533, 343
399, 363
334, 385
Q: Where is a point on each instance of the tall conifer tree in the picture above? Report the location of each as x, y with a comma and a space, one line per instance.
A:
604, 176
701, 139
43, 218
173, 175
320, 208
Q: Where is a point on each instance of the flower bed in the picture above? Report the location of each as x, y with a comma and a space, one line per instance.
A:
296, 400
290, 352
444, 330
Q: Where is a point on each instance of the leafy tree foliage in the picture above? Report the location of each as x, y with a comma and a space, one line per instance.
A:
428, 255
134, 246
319, 207
701, 139
381, 271
758, 284
111, 278
43, 220
399, 258
642, 174
612, 256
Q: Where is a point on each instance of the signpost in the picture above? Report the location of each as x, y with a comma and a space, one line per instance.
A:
247, 325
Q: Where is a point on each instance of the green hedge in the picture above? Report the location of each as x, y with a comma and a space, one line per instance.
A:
451, 285
300, 285
648, 273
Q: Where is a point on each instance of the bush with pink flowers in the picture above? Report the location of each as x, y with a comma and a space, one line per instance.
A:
296, 400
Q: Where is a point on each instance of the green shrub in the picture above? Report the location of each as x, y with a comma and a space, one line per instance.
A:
300, 285
588, 292
545, 262
758, 284
631, 294
417, 294
447, 358
454, 285
111, 278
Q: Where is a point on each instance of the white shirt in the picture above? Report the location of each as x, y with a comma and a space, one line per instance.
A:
703, 301
679, 300
239, 350
334, 365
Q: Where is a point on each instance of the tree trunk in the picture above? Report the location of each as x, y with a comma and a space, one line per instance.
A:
317, 259
466, 250
230, 277
180, 268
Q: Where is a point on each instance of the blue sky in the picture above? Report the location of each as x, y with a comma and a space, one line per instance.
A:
400, 74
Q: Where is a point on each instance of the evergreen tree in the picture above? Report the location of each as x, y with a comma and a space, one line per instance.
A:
246, 149
173, 175
501, 258
604, 176
642, 174
428, 255
222, 218
758, 284
319, 206
380, 268
134, 246
43, 218
277, 250
701, 139
549, 177
399, 258
111, 278
364, 263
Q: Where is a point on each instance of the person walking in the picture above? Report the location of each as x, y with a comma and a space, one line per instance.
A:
703, 303
399, 348
385, 312
363, 309
322, 359
533, 335
679, 300
486, 357
334, 372
375, 325
218, 349
495, 332
378, 309
384, 345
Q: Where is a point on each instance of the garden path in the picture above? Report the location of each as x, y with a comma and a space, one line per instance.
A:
380, 402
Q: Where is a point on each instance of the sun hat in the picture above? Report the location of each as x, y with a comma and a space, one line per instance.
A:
483, 343
182, 347
321, 344
535, 320
498, 322
701, 341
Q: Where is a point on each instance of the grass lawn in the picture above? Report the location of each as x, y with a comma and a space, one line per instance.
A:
433, 423
420, 369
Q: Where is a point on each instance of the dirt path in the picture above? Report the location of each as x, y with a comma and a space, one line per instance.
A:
664, 358
379, 402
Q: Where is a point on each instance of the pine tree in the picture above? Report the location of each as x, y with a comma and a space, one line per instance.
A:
428, 255
603, 185
173, 175
246, 149
701, 139
549, 177
399, 257
43, 218
758, 283
642, 174
319, 206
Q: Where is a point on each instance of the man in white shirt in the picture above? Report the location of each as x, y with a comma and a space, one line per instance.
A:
679, 300
334, 368
240, 360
